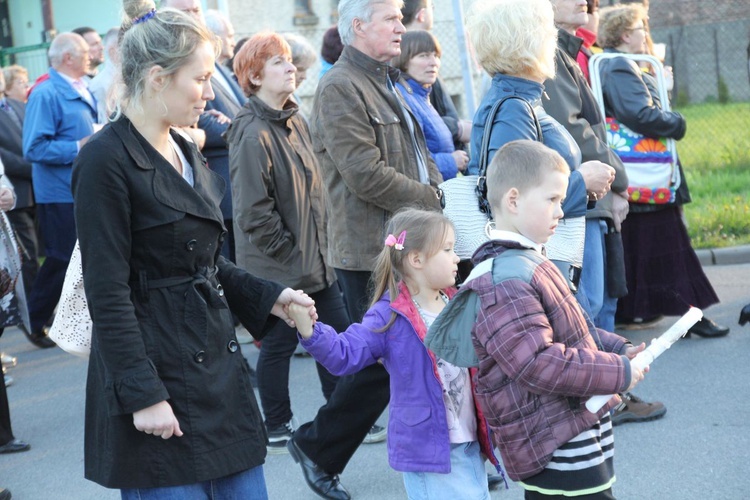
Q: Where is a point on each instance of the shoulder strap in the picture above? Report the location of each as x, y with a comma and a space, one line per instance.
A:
484, 150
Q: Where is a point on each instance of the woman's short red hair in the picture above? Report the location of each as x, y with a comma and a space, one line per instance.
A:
249, 61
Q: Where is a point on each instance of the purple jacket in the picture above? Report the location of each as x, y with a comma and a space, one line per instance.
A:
417, 429
539, 356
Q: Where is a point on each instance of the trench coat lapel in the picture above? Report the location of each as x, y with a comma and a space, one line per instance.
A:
169, 187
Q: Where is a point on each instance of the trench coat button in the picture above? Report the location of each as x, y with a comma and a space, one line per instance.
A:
220, 289
190, 245
232, 346
199, 356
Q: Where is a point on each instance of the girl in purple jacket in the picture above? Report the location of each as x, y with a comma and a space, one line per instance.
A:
437, 436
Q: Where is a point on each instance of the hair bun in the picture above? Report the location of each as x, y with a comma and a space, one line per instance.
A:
136, 8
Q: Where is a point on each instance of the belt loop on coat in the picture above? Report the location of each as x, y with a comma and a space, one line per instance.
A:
143, 286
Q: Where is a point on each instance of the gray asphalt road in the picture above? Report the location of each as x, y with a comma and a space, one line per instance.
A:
699, 450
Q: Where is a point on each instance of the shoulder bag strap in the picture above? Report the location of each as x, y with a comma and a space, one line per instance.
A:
484, 151
481, 188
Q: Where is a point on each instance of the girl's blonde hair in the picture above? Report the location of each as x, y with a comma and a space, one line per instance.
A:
425, 232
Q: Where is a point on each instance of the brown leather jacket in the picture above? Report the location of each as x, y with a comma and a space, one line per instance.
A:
366, 152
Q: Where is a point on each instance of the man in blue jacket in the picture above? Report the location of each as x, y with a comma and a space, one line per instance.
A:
60, 117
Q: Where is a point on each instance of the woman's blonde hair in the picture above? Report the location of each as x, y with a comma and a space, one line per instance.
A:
424, 232
514, 37
615, 21
165, 38
12, 72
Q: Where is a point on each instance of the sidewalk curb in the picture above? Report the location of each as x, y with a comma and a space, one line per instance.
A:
723, 256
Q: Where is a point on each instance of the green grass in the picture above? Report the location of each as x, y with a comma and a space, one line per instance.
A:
715, 156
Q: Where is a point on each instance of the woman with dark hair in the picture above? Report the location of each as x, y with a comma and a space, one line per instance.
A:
664, 276
170, 412
420, 61
279, 214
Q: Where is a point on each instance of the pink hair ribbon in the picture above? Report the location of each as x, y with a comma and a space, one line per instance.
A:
392, 241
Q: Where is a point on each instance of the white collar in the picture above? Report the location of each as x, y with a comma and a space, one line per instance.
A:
499, 234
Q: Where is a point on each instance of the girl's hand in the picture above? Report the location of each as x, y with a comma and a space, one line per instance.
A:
158, 420
301, 317
289, 296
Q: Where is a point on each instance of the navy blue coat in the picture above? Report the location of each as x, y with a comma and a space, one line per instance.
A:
216, 150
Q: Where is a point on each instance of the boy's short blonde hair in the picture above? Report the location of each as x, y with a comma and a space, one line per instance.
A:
521, 165
514, 37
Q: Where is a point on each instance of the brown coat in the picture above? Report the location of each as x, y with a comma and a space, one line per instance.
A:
278, 197
366, 152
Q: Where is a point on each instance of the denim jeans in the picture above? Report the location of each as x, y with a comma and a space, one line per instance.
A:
247, 485
466, 480
602, 306
593, 272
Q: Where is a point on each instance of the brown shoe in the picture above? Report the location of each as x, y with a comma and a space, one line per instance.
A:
634, 409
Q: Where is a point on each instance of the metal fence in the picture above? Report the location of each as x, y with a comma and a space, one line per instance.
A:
31, 57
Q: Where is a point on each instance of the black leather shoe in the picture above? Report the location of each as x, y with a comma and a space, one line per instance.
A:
707, 328
14, 446
745, 315
5, 494
323, 484
39, 339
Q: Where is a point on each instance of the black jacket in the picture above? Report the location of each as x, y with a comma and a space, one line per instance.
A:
631, 96
571, 102
17, 168
160, 298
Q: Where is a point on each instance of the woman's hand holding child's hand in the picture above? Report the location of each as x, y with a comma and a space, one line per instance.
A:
301, 317
289, 296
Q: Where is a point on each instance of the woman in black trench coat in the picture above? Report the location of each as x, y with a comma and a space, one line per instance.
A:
169, 407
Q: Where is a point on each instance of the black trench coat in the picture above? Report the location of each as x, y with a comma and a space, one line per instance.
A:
159, 296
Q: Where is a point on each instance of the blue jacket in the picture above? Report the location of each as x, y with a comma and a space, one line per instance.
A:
57, 117
436, 132
417, 425
514, 121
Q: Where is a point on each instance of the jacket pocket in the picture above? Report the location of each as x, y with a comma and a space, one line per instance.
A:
410, 434
387, 127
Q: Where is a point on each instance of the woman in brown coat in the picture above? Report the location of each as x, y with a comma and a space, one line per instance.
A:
279, 214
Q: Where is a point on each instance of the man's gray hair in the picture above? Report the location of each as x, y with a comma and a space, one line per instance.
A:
355, 9
64, 43
216, 22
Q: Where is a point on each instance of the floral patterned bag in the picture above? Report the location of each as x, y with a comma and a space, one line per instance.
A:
651, 164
